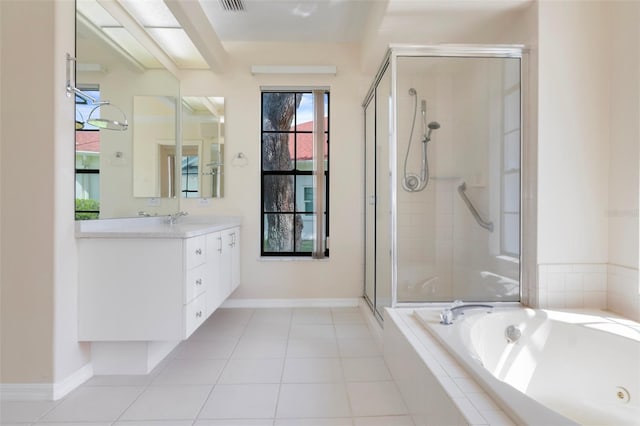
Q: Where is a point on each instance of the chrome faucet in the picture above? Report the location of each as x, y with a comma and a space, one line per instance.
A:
457, 308
173, 218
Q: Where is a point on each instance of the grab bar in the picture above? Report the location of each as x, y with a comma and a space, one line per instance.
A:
485, 224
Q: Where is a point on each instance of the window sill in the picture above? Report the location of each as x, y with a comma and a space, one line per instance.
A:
290, 259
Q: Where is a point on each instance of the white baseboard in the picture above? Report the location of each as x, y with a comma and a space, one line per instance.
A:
63, 387
292, 303
45, 391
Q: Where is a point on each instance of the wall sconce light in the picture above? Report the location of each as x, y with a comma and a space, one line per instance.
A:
239, 160
99, 122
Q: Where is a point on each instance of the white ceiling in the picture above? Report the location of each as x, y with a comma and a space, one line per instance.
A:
191, 34
287, 20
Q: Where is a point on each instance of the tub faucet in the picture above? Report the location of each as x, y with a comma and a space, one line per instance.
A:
457, 308
173, 218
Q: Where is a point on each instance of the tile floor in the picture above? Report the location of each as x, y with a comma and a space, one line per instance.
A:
244, 367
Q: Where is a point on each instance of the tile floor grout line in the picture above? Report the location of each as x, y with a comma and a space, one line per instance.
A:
226, 363
56, 403
284, 363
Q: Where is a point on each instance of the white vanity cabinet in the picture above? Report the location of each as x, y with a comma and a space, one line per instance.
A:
153, 289
223, 251
231, 243
144, 285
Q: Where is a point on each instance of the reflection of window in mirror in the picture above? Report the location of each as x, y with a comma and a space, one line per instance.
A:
190, 172
87, 158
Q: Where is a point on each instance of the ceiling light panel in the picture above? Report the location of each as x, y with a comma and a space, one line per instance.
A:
132, 46
177, 44
96, 14
151, 13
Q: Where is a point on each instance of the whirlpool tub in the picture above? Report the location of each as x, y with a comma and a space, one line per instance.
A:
549, 367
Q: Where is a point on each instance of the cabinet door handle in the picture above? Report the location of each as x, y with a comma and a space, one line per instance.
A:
199, 281
198, 251
220, 244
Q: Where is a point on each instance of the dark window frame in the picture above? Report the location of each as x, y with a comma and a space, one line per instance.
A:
295, 173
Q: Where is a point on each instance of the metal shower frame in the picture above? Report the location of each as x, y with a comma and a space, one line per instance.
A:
528, 273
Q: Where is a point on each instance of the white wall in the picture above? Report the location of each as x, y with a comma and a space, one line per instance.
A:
589, 135
573, 132
341, 276
625, 134
623, 292
27, 233
38, 273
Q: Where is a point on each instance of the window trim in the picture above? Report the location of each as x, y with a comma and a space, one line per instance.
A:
295, 173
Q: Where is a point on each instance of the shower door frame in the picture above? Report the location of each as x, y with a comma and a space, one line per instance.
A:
528, 160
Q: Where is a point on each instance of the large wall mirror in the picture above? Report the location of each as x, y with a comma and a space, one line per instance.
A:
142, 170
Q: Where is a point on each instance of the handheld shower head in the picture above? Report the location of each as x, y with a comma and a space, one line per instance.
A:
434, 125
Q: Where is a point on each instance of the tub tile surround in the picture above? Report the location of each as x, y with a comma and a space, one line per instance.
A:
323, 370
599, 286
623, 291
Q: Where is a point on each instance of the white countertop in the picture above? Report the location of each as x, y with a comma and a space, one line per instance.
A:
154, 227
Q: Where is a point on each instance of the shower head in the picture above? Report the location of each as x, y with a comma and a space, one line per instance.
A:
412, 92
434, 125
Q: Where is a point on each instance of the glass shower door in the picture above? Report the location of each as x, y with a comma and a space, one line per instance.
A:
459, 235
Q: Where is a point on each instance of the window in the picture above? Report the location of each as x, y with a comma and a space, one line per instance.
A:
295, 173
510, 210
87, 159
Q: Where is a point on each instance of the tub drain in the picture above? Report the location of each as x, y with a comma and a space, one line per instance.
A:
622, 394
512, 333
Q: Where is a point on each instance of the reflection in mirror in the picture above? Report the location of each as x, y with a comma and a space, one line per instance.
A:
202, 165
154, 146
104, 158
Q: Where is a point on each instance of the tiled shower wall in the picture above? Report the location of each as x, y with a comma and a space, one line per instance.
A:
601, 286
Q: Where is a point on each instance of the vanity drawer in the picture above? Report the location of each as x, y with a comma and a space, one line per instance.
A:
196, 282
195, 314
194, 251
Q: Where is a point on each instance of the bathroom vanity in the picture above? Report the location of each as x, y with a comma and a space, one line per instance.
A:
145, 285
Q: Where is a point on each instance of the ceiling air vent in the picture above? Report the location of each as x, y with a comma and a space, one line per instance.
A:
232, 5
